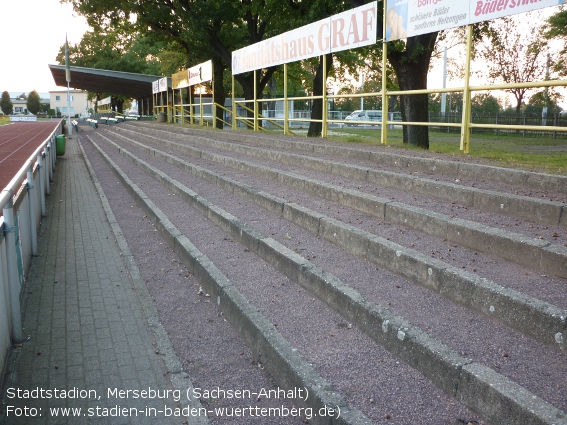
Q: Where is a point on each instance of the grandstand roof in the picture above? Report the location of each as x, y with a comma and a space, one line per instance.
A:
125, 84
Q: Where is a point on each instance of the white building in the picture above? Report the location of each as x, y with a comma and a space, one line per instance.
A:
79, 102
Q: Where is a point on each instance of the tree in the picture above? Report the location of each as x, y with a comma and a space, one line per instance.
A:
484, 104
556, 29
205, 29
34, 102
118, 49
319, 86
544, 99
454, 104
410, 60
6, 104
215, 28
513, 53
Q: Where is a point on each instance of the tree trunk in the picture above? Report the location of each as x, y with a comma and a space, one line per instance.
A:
411, 67
318, 109
218, 89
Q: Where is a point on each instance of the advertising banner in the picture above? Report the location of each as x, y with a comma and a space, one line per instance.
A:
407, 18
23, 118
180, 80
201, 73
348, 30
159, 85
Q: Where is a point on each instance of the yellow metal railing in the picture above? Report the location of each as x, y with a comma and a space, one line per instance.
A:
184, 112
271, 120
466, 122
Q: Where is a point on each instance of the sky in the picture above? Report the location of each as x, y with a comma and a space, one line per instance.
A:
33, 31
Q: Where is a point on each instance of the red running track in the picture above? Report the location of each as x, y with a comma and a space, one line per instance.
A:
18, 141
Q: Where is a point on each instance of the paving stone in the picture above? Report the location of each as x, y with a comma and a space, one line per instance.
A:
84, 320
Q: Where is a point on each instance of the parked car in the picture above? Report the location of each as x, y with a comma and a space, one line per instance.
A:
363, 115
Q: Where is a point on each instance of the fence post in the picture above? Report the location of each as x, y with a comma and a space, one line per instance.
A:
41, 189
496, 123
233, 108
384, 129
325, 109
54, 156
46, 171
465, 127
286, 104
32, 209
256, 124
14, 286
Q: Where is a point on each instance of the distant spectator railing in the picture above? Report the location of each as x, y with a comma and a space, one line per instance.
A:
532, 125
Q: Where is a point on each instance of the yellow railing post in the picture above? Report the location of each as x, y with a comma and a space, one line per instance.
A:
256, 124
325, 107
384, 135
200, 106
286, 105
169, 110
191, 106
234, 107
465, 128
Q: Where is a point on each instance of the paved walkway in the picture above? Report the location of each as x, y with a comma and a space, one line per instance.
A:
90, 324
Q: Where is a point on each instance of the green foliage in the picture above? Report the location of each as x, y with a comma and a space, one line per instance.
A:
556, 29
6, 104
453, 103
34, 102
483, 104
542, 99
115, 50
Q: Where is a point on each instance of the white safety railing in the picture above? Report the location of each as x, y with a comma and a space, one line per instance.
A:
23, 205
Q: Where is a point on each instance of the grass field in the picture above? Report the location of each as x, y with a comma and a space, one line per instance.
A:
543, 154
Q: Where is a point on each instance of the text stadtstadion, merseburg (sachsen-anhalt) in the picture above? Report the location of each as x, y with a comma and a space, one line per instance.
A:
192, 394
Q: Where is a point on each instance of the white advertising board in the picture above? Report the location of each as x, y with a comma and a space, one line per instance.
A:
201, 73
407, 18
159, 85
348, 30
23, 118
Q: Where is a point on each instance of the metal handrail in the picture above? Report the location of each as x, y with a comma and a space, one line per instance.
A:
14, 185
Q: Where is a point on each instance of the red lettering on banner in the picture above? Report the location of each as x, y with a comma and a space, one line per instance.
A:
324, 37
353, 30
310, 45
338, 33
367, 22
493, 6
